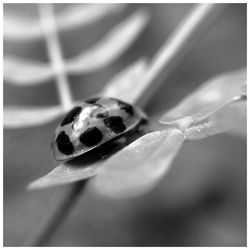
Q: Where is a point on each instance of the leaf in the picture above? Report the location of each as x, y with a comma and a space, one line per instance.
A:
138, 167
64, 174
230, 116
110, 47
80, 15
126, 84
211, 95
25, 72
18, 117
17, 27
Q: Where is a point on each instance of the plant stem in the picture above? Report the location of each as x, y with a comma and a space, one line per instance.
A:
48, 23
49, 226
180, 42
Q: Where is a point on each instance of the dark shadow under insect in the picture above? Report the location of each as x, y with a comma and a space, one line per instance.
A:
110, 147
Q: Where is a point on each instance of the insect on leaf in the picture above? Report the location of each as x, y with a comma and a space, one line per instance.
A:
208, 97
138, 167
126, 84
136, 172
64, 174
24, 72
18, 117
110, 47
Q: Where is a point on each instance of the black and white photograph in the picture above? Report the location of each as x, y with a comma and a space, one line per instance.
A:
124, 124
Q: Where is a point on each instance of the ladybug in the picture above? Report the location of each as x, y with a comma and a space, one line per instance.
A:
92, 123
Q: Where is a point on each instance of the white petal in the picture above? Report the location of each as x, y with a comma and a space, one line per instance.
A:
23, 72
79, 15
126, 84
18, 117
110, 47
211, 95
64, 174
137, 168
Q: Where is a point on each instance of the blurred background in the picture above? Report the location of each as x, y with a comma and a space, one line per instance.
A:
200, 202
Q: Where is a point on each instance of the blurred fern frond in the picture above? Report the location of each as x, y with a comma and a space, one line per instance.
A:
24, 72
26, 116
20, 28
111, 46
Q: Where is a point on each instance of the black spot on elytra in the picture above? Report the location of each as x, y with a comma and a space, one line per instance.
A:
92, 100
91, 137
71, 115
64, 144
125, 106
115, 123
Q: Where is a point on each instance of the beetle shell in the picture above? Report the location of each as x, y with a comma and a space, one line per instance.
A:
91, 123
